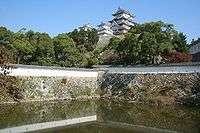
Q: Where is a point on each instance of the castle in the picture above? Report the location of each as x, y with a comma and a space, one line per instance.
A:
121, 23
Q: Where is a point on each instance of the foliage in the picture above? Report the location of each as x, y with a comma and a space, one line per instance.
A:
177, 57
110, 53
22, 47
85, 39
44, 54
30, 47
7, 83
66, 52
146, 43
180, 43
91, 59
6, 55
86, 42
5, 36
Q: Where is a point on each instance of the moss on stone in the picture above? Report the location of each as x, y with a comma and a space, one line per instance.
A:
9, 89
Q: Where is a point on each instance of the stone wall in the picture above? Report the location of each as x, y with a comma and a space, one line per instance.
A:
47, 83
133, 84
49, 88
152, 88
37, 88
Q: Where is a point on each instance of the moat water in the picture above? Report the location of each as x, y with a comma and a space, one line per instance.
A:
112, 117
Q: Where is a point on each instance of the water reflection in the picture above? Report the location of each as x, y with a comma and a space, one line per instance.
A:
174, 118
38, 112
169, 117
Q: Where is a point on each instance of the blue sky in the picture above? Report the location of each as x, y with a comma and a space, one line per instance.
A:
57, 16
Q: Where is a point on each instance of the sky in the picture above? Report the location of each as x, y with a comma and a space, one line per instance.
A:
58, 16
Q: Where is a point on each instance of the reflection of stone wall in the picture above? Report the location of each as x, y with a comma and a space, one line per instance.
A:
159, 88
36, 88
12, 115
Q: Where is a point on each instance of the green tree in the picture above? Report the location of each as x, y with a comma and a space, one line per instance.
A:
180, 43
86, 42
66, 53
6, 55
129, 49
144, 43
44, 49
5, 36
85, 39
114, 43
155, 39
22, 48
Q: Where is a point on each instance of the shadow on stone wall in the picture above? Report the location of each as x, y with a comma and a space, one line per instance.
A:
9, 91
115, 84
194, 98
159, 89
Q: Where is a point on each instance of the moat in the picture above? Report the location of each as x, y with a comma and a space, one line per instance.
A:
111, 116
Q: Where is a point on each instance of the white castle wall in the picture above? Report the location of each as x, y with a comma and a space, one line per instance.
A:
36, 71
42, 71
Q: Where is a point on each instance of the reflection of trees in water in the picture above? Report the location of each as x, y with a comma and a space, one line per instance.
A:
37, 112
110, 111
168, 117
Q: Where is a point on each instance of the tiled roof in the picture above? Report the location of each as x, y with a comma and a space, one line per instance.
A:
196, 42
120, 10
105, 23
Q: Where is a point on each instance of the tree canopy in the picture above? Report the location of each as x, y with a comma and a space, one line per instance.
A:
148, 43
145, 43
66, 52
85, 39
